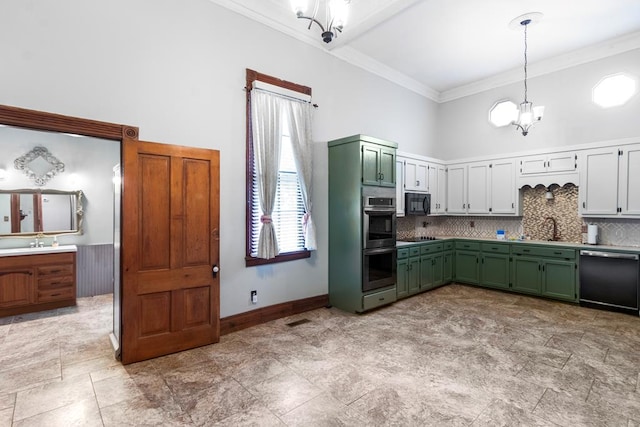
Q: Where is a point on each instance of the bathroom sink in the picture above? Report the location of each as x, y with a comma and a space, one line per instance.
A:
34, 251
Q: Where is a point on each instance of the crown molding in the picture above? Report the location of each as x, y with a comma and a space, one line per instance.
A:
356, 58
557, 63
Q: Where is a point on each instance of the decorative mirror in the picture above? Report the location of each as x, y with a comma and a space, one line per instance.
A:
39, 165
48, 212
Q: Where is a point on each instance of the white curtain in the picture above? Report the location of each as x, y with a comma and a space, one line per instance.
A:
300, 124
266, 119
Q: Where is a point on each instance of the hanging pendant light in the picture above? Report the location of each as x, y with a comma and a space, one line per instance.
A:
527, 114
335, 16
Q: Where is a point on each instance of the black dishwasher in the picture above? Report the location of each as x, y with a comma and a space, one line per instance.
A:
609, 280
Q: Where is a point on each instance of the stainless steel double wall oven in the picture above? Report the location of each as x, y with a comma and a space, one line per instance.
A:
379, 238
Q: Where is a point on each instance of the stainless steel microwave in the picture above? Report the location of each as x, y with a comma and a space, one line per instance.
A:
417, 204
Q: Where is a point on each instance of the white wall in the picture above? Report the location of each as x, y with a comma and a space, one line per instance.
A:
570, 116
176, 69
88, 167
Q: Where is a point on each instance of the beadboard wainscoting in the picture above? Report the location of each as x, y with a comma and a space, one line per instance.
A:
94, 270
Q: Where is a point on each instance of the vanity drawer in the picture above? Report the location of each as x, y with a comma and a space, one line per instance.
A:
414, 251
55, 270
403, 253
54, 282
56, 294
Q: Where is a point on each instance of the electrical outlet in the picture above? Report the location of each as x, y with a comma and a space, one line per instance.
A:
254, 297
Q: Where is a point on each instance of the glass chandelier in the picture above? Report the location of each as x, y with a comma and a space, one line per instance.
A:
527, 114
335, 16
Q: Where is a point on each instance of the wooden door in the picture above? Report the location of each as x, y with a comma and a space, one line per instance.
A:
170, 221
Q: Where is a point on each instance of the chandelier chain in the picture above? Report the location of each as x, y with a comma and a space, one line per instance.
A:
525, 62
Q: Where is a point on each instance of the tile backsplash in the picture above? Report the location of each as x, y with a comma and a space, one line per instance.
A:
536, 208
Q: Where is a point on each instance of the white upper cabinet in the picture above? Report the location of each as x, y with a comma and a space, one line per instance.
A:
479, 187
399, 186
482, 188
598, 190
629, 183
503, 187
610, 181
548, 163
416, 175
438, 188
457, 189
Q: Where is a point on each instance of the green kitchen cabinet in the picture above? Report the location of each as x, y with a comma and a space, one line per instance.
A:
467, 267
378, 165
347, 162
467, 262
495, 265
402, 277
431, 265
526, 275
431, 274
447, 266
559, 279
546, 271
414, 270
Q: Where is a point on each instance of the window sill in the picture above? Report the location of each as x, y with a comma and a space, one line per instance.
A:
289, 256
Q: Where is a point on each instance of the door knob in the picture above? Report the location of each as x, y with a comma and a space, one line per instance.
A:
215, 269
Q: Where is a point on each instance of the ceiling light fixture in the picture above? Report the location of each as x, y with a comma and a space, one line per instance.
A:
527, 114
335, 16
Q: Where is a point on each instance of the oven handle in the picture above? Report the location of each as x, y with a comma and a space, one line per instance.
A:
379, 210
379, 251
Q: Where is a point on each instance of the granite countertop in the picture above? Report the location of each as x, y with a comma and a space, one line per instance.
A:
573, 245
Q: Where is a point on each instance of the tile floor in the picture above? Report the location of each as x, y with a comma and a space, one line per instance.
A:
455, 356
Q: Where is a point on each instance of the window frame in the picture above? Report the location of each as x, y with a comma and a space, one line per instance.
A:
252, 76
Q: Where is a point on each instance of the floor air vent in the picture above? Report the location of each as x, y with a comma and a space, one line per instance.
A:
298, 322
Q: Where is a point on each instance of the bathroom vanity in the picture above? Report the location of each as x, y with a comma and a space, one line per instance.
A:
36, 279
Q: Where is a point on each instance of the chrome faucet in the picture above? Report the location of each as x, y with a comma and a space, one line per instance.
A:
37, 243
555, 237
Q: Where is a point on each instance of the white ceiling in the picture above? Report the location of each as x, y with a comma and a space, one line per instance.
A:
446, 49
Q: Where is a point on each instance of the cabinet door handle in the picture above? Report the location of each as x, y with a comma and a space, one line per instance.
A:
513, 205
55, 295
381, 177
417, 183
584, 205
